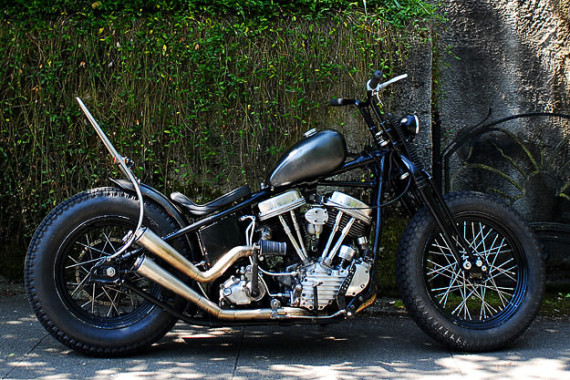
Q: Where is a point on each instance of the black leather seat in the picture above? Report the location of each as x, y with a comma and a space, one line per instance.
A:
212, 206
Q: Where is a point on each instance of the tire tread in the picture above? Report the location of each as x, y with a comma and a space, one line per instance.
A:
30, 280
426, 317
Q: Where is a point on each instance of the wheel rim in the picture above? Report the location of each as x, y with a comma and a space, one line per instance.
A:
84, 282
476, 303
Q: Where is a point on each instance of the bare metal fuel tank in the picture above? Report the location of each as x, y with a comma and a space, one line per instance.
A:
314, 156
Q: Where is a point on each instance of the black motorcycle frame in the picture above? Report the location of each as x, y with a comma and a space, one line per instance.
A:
393, 163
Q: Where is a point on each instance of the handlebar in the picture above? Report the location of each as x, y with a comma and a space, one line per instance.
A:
339, 102
373, 85
393, 80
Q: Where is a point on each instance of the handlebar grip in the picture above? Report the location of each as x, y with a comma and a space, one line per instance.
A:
373, 83
339, 102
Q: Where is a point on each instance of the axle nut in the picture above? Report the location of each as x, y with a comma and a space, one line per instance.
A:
110, 272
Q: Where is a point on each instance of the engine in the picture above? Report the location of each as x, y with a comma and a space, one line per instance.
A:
325, 259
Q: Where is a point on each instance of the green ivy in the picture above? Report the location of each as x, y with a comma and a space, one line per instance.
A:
202, 95
397, 12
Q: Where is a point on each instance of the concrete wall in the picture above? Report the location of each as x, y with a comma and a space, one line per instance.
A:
513, 57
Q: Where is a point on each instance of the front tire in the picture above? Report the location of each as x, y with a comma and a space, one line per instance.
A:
461, 312
84, 305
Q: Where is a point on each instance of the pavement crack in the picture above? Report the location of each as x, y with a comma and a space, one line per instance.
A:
23, 357
240, 345
457, 367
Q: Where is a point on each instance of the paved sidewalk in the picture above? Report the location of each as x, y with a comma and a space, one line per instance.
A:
389, 347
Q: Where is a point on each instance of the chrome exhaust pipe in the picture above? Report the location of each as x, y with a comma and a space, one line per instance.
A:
149, 269
152, 242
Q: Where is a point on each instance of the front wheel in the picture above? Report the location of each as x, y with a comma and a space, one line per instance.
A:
464, 312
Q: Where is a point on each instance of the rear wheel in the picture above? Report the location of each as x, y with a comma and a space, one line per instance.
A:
79, 297
468, 312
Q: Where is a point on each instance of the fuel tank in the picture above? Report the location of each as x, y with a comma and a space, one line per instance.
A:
314, 156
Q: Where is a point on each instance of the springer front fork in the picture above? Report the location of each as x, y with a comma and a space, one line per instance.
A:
425, 194
475, 266
421, 191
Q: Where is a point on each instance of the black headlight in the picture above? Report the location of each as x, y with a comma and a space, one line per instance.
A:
410, 125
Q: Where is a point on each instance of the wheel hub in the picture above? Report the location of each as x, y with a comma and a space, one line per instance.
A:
105, 274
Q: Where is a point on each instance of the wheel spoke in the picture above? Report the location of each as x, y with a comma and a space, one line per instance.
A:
81, 265
79, 286
448, 291
509, 272
440, 269
92, 249
108, 241
497, 252
500, 291
483, 311
98, 299
93, 300
492, 248
470, 299
112, 302
483, 238
461, 306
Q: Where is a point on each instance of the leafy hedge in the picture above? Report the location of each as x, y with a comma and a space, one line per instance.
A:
395, 12
202, 95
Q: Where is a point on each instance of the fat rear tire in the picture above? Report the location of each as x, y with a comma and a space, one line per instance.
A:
468, 314
94, 317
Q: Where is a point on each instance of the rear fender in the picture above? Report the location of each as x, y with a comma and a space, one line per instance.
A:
156, 196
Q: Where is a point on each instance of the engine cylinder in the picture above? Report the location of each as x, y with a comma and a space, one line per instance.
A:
280, 204
358, 228
350, 206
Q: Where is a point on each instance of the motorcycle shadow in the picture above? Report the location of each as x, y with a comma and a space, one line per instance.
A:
354, 337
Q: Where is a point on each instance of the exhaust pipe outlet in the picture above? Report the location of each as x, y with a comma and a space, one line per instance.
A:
153, 243
149, 269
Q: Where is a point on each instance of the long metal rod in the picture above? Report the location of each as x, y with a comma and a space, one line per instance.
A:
336, 247
333, 232
298, 230
382, 175
116, 156
121, 161
289, 234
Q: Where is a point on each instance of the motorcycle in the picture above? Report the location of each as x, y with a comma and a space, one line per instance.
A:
110, 270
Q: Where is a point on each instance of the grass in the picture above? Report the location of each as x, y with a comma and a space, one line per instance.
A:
556, 304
